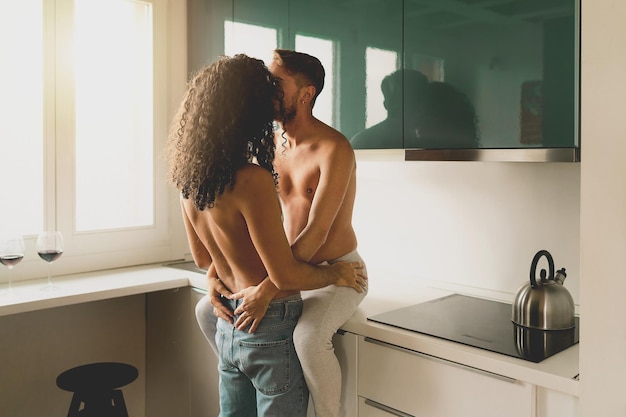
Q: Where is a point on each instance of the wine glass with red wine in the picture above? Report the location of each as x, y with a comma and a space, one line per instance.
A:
11, 253
50, 248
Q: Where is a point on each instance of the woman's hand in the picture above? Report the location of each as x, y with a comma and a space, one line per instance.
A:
256, 299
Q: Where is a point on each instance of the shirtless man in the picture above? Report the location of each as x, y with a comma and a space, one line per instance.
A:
221, 159
316, 167
317, 186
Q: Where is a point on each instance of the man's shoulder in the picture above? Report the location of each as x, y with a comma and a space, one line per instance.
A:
252, 175
332, 138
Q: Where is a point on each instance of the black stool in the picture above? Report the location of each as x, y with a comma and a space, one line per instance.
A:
95, 388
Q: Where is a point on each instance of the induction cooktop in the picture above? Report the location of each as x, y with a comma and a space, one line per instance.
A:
480, 323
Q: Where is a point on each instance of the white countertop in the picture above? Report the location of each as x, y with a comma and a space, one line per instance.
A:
92, 286
556, 372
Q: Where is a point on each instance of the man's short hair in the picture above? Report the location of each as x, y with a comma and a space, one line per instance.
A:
307, 69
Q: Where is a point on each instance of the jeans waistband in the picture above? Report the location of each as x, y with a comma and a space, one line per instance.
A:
285, 308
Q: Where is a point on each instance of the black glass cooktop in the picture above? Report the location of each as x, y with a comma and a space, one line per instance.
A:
480, 323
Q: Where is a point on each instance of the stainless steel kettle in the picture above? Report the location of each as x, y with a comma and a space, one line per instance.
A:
544, 304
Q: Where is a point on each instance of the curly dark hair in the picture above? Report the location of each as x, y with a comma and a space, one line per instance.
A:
224, 122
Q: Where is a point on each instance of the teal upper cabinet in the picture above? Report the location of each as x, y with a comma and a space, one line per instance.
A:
418, 74
502, 74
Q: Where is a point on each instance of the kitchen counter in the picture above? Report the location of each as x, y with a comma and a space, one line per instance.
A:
557, 372
93, 286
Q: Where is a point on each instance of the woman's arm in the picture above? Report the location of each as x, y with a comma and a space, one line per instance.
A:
199, 252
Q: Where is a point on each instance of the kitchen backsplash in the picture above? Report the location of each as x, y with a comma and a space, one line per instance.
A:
472, 227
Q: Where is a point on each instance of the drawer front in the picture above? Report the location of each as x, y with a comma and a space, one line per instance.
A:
556, 404
422, 385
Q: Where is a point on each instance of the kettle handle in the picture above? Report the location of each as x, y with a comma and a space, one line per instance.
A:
533, 267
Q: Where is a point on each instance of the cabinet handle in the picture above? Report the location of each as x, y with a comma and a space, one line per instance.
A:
199, 290
386, 409
445, 361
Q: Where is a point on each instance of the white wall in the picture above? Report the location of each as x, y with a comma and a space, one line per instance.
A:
603, 210
469, 226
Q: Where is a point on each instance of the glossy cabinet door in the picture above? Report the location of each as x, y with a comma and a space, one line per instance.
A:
358, 46
501, 75
406, 382
205, 31
426, 74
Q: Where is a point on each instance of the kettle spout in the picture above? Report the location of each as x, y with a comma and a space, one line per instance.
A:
560, 276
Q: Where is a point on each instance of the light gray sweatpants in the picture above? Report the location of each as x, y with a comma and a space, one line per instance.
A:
325, 311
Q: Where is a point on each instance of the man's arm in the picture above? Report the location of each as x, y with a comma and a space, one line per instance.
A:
336, 171
215, 290
266, 232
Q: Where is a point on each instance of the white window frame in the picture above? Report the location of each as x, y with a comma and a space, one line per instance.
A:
104, 249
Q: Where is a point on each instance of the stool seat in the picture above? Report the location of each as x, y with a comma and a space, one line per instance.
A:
102, 376
95, 387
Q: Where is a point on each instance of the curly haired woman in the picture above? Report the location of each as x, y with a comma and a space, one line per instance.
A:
221, 153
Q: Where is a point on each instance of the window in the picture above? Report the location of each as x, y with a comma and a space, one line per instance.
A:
111, 132
21, 117
84, 111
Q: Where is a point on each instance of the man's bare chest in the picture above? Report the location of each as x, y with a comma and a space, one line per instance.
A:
296, 175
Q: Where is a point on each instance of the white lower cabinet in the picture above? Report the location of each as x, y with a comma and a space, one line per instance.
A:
203, 376
552, 403
394, 381
181, 368
369, 408
378, 379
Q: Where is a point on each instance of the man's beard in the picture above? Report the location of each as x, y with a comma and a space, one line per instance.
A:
289, 111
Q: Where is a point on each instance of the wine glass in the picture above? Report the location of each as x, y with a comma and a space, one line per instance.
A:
50, 248
11, 253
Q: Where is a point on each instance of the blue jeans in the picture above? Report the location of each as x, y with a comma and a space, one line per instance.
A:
260, 374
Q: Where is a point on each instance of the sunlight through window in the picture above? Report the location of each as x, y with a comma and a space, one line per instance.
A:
114, 114
21, 117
